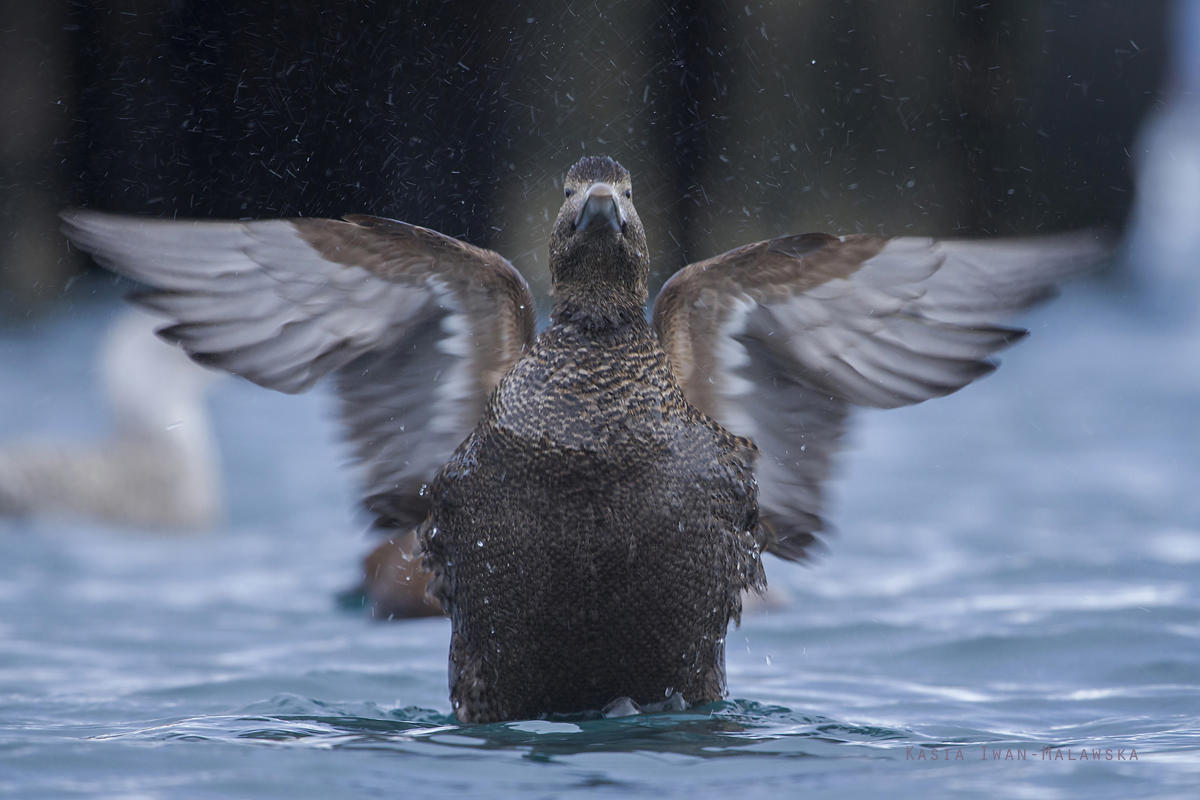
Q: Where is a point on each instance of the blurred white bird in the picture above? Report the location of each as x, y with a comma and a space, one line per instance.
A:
159, 469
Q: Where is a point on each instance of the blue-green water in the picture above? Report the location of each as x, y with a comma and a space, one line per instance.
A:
1016, 567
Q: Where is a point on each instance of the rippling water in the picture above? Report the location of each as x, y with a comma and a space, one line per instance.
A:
1015, 569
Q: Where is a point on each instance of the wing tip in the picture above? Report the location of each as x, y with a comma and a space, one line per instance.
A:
75, 224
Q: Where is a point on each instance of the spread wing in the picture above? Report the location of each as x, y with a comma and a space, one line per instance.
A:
775, 340
417, 327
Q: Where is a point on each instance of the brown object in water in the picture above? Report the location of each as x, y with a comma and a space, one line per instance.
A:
394, 581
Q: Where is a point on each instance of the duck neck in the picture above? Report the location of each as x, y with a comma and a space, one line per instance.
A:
598, 308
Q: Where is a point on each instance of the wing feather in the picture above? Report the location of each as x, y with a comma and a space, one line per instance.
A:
417, 327
776, 340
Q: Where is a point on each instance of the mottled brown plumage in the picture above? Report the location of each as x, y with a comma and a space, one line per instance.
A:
592, 537
591, 503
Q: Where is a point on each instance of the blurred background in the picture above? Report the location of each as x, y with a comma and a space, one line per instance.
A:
1018, 563
738, 121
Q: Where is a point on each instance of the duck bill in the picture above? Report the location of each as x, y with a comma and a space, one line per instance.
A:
600, 210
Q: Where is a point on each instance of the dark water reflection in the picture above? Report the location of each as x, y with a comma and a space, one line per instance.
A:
718, 730
727, 728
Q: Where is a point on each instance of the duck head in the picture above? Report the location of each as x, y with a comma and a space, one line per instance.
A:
598, 258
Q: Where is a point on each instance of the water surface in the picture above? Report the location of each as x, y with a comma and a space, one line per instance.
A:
1015, 568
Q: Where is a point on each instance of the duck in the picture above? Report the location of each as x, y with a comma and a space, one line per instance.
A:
589, 502
159, 470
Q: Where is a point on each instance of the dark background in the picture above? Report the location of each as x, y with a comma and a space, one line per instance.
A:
738, 120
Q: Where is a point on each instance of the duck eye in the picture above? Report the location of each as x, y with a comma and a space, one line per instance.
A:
570, 192
629, 192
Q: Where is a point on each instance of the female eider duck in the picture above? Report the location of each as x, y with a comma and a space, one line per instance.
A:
591, 501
